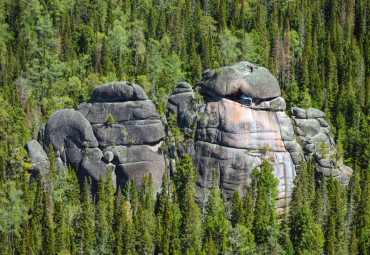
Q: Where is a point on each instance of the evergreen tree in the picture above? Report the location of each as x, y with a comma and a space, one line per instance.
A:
86, 233
237, 210
215, 224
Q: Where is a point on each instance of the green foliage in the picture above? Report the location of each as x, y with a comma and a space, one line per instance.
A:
53, 53
110, 120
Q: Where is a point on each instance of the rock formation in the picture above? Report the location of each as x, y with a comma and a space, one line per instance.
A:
83, 139
220, 133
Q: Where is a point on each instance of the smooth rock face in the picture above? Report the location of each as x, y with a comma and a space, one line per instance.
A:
240, 127
241, 78
233, 167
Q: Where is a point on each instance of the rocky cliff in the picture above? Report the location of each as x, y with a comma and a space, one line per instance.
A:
220, 133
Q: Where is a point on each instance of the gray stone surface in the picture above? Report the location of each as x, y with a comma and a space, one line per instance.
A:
184, 85
108, 156
138, 132
307, 127
35, 151
323, 122
139, 93
69, 133
299, 112
181, 90
118, 92
97, 113
241, 78
313, 113
278, 104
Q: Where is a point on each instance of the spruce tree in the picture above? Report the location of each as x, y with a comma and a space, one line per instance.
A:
215, 224
85, 232
237, 210
47, 232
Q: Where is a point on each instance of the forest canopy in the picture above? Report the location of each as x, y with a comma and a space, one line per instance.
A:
54, 52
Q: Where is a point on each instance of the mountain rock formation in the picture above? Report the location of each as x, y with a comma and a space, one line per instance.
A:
220, 133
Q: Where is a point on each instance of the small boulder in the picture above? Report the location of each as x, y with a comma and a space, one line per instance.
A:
35, 151
298, 112
184, 85
108, 156
313, 113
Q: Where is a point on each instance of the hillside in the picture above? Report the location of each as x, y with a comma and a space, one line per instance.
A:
139, 127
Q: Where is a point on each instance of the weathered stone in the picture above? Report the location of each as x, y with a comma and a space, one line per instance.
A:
108, 156
320, 138
69, 132
323, 122
94, 169
94, 154
298, 112
241, 78
233, 167
310, 148
296, 157
139, 93
307, 127
118, 92
97, 113
286, 127
242, 127
181, 90
292, 146
278, 104
135, 161
326, 163
184, 85
35, 151
313, 113
178, 102
138, 132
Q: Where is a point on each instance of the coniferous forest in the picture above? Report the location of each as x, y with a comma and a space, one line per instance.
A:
54, 52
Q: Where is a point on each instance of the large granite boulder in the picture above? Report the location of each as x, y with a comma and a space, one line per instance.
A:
241, 78
69, 132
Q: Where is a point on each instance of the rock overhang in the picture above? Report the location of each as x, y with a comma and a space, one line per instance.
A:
241, 78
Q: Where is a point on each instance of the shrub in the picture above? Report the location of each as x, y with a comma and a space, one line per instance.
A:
110, 120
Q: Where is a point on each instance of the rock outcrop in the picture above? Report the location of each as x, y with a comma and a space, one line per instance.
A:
83, 139
232, 139
220, 133
316, 138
